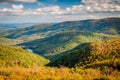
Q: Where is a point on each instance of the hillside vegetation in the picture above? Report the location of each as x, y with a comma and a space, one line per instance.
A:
16, 56
92, 55
27, 33
52, 73
11, 26
64, 41
51, 39
107, 26
78, 50
95, 61
7, 41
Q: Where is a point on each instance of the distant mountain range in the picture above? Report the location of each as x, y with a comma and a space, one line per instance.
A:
51, 39
75, 50
107, 26
10, 26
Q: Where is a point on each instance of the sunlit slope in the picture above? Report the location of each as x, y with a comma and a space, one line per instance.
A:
16, 56
95, 55
64, 41
6, 41
106, 25
27, 33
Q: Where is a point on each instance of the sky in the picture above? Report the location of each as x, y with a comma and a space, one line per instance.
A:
47, 11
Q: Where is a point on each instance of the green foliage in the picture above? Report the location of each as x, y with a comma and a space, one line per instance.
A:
108, 26
16, 56
79, 43
64, 41
49, 39
95, 55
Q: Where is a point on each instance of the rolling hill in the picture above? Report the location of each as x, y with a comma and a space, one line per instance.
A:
27, 33
89, 49
106, 25
11, 26
16, 56
92, 55
64, 41
51, 39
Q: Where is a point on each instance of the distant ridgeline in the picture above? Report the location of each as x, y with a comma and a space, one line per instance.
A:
52, 39
77, 50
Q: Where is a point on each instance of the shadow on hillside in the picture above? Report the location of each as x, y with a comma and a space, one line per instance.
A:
71, 57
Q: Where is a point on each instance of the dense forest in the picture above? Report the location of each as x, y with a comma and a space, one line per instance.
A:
71, 50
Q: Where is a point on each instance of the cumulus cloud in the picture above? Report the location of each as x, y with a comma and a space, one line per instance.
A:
17, 6
18, 1
88, 6
16, 9
93, 6
50, 10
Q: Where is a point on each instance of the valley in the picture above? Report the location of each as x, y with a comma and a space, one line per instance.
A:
70, 50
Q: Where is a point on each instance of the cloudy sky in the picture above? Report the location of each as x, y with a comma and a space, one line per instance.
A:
42, 11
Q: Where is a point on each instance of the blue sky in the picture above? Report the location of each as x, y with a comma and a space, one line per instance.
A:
38, 11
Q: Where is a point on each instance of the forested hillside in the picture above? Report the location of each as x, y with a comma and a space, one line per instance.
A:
11, 26
57, 38
64, 41
77, 50
92, 55
16, 56
107, 26
94, 61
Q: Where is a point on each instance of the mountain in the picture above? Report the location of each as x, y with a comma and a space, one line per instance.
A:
52, 39
11, 26
92, 55
27, 33
64, 41
106, 25
16, 56
89, 49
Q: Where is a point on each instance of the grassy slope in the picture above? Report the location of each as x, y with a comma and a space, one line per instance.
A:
6, 41
12, 56
64, 41
93, 55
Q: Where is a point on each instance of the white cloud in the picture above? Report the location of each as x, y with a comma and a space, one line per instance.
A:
49, 10
93, 6
88, 6
18, 7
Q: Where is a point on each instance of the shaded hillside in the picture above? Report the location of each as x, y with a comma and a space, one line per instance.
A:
107, 26
64, 41
27, 33
10, 26
95, 55
16, 56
